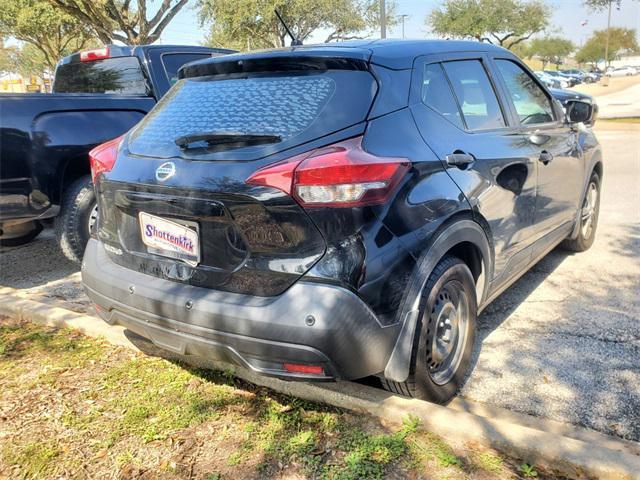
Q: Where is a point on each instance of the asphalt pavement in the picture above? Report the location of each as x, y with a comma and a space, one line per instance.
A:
562, 343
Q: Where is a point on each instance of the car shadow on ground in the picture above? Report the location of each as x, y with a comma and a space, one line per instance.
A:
567, 350
505, 304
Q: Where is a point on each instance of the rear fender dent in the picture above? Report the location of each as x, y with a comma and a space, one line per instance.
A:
399, 365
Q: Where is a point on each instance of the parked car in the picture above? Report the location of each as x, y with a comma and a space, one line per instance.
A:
339, 211
583, 76
565, 82
45, 138
620, 72
551, 82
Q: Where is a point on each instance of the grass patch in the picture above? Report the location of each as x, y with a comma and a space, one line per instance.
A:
97, 411
35, 458
488, 461
621, 120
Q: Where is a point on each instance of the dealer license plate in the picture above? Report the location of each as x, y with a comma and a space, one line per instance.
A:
170, 239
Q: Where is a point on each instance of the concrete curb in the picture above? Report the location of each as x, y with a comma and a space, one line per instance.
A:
574, 452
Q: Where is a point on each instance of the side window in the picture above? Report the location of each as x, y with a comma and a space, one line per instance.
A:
477, 99
530, 100
173, 61
437, 94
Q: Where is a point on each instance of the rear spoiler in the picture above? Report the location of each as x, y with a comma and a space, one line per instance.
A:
294, 59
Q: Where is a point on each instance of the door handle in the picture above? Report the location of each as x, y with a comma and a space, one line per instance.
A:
459, 159
545, 157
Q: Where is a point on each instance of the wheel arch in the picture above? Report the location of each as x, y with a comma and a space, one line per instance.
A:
75, 168
597, 166
462, 236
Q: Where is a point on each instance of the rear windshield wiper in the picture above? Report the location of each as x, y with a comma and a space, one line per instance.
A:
225, 140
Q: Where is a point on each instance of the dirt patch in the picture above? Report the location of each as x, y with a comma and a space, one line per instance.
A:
616, 84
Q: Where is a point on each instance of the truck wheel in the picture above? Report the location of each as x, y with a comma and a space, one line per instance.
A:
445, 335
77, 215
588, 218
19, 234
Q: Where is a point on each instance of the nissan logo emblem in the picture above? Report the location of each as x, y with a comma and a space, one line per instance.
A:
165, 171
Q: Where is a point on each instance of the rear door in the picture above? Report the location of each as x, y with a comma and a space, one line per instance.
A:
460, 116
550, 143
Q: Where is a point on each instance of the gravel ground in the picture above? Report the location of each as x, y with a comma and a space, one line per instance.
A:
562, 343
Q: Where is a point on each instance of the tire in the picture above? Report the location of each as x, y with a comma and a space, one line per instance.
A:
73, 225
448, 294
20, 234
589, 213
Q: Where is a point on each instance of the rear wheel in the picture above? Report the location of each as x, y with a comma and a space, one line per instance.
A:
78, 214
445, 336
588, 218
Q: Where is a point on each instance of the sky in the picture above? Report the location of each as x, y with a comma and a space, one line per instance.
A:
566, 21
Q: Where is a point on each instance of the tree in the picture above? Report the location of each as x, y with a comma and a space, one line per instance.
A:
600, 5
8, 58
503, 22
52, 32
251, 24
550, 50
119, 20
621, 40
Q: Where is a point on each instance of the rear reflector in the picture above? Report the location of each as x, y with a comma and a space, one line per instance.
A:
306, 369
95, 54
340, 175
103, 157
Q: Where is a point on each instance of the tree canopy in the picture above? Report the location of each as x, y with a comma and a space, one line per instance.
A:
550, 49
503, 22
598, 5
621, 40
52, 32
8, 56
122, 20
253, 24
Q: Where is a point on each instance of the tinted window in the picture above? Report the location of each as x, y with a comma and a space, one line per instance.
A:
475, 94
437, 94
295, 107
173, 61
530, 100
122, 75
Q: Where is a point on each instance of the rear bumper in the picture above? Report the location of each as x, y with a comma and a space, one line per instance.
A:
260, 333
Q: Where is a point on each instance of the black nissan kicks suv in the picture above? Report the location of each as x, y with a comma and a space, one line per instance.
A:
339, 211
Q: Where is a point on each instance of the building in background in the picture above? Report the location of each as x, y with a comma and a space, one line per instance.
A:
15, 83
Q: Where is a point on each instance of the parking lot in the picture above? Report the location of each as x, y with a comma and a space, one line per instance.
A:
562, 343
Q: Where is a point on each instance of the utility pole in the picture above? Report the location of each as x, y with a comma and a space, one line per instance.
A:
383, 19
403, 16
606, 43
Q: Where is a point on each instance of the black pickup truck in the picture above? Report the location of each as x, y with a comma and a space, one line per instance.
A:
45, 138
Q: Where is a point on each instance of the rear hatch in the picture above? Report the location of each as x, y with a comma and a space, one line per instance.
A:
176, 204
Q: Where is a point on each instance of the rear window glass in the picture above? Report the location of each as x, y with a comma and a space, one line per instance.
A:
296, 108
475, 94
173, 61
436, 93
121, 75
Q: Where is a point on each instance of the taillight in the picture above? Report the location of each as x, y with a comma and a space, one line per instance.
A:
340, 175
303, 368
95, 54
103, 157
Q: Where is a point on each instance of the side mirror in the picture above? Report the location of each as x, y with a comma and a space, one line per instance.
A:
580, 112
